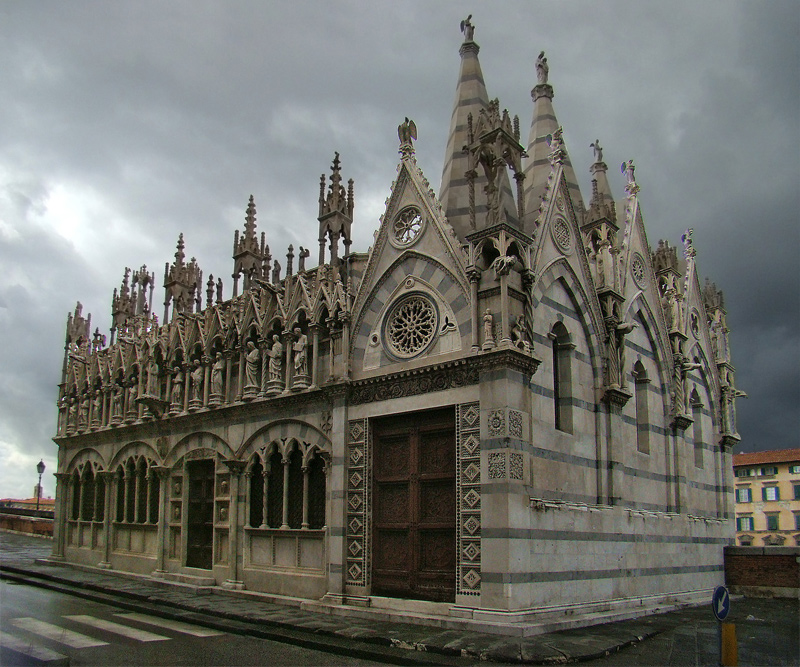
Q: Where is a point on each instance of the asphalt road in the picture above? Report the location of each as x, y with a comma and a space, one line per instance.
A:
89, 633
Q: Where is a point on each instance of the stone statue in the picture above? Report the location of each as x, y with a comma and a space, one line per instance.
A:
152, 378
275, 359
598, 151
177, 387
96, 403
133, 391
116, 401
519, 336
252, 357
72, 416
406, 131
216, 374
503, 264
542, 69
299, 349
628, 169
468, 29
84, 414
488, 330
197, 381
622, 330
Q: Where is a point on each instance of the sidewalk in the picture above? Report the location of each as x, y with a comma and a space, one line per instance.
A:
245, 613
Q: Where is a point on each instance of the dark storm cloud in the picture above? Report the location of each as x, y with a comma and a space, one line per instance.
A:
124, 124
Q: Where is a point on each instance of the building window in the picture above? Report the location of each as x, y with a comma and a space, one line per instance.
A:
302, 506
642, 414
770, 493
697, 429
795, 470
744, 472
768, 471
744, 495
797, 521
797, 491
88, 495
562, 377
744, 523
772, 522
137, 491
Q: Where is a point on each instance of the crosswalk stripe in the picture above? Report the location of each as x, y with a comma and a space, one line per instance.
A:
38, 653
178, 626
116, 628
57, 634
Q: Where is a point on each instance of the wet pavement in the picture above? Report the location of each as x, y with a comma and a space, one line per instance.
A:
767, 629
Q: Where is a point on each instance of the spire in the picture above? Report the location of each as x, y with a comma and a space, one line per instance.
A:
335, 213
248, 255
471, 98
537, 166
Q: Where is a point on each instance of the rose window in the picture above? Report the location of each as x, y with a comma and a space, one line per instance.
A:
561, 235
407, 226
637, 270
411, 326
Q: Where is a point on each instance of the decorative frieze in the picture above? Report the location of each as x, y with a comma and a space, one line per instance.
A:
357, 504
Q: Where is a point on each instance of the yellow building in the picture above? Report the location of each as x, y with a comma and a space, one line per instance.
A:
767, 497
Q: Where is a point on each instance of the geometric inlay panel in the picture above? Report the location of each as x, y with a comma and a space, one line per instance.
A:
468, 491
357, 504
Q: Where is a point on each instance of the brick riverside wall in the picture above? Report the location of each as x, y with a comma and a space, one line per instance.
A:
763, 566
26, 524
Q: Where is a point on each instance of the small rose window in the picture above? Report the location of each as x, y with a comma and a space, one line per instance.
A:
411, 326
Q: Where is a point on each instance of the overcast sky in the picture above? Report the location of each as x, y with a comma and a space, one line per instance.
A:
124, 124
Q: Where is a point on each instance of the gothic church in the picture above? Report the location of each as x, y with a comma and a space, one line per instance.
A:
511, 407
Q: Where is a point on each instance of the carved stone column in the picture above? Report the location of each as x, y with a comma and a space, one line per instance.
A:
305, 524
288, 365
61, 510
285, 521
314, 356
235, 532
474, 278
162, 475
226, 394
107, 478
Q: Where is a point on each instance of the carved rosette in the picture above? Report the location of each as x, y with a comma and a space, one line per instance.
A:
468, 490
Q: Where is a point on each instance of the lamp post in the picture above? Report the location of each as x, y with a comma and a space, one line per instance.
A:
40, 469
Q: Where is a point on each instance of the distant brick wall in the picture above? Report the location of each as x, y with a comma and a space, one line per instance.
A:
26, 524
764, 567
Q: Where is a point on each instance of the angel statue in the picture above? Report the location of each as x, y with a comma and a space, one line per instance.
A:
598, 151
468, 29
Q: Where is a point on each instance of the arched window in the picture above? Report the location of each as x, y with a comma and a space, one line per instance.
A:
697, 428
303, 504
562, 377
76, 496
87, 494
256, 473
275, 491
642, 412
137, 491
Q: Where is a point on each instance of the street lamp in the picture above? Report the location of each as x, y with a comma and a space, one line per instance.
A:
40, 469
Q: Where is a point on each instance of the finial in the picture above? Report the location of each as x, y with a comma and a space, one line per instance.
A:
406, 132
542, 69
468, 29
598, 151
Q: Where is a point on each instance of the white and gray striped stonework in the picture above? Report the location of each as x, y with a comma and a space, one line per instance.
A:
471, 97
536, 166
412, 273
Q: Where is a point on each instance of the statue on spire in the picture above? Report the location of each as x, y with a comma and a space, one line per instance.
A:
406, 132
598, 151
542, 69
468, 29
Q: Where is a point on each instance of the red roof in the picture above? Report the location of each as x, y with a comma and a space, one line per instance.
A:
773, 456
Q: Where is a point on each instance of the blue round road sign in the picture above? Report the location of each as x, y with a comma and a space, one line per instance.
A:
721, 603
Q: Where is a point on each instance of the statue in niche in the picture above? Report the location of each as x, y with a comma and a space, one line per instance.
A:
84, 415
116, 401
488, 330
299, 349
96, 403
72, 416
275, 359
216, 374
252, 358
197, 381
152, 378
177, 387
542, 69
133, 391
616, 354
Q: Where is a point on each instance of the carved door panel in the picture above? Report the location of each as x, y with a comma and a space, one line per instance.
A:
414, 520
200, 518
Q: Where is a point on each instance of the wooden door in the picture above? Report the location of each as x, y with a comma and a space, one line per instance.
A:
200, 519
414, 519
